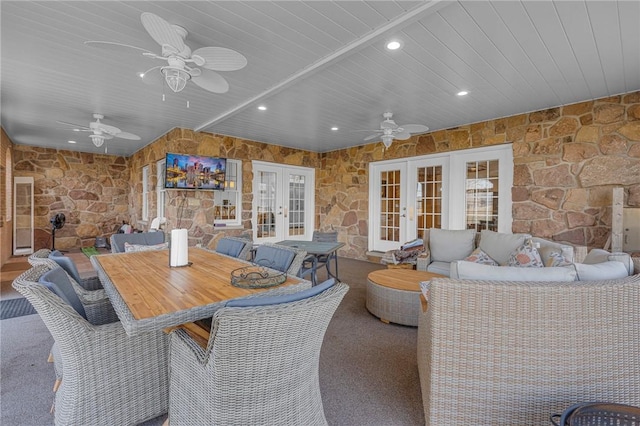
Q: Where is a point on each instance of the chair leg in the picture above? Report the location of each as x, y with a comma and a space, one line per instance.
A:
50, 359
57, 384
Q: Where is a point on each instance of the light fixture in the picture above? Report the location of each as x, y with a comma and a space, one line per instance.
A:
394, 45
97, 140
462, 93
386, 140
334, 128
262, 108
71, 141
176, 77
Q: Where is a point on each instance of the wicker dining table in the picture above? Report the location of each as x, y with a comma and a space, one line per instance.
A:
149, 295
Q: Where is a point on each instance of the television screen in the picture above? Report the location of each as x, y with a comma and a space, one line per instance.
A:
186, 171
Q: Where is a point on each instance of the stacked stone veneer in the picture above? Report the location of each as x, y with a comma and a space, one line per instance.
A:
567, 161
91, 190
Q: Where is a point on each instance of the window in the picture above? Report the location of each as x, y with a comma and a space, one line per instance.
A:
161, 192
228, 203
145, 193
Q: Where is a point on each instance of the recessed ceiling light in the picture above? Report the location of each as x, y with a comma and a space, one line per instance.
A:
334, 128
394, 45
141, 74
262, 108
71, 141
462, 93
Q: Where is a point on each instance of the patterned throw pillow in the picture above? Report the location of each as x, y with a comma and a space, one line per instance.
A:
129, 248
479, 256
555, 258
526, 256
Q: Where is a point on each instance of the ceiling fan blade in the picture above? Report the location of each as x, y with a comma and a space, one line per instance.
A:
125, 135
211, 81
162, 31
371, 137
415, 128
221, 58
76, 127
153, 76
402, 136
115, 46
105, 128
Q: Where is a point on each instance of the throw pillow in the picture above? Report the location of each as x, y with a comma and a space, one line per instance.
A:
555, 258
526, 256
499, 245
447, 245
478, 256
129, 248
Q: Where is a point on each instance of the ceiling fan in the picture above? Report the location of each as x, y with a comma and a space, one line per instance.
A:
199, 66
100, 131
389, 130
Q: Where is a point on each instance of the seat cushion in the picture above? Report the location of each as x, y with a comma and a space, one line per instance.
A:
283, 298
474, 271
608, 270
274, 257
441, 268
57, 281
448, 245
145, 238
230, 247
66, 263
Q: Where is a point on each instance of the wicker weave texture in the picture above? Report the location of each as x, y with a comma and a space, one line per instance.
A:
393, 305
260, 367
42, 256
109, 378
504, 353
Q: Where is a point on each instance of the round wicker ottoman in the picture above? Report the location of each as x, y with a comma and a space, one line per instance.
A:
393, 295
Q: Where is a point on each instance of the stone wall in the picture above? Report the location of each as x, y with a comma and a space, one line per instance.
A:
196, 208
91, 190
567, 160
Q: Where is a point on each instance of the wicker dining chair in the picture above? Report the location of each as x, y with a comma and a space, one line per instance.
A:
260, 366
110, 378
43, 255
234, 247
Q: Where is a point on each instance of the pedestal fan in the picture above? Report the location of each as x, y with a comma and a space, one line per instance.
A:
57, 222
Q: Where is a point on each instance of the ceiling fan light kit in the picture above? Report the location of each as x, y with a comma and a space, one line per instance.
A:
176, 78
389, 130
100, 131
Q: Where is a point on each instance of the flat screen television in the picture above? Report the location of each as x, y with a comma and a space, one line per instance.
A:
184, 171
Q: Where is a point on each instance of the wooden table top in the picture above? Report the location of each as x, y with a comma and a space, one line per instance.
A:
401, 279
151, 288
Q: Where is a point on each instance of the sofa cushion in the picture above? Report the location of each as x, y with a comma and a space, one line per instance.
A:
525, 256
475, 271
499, 246
608, 270
441, 268
479, 256
600, 255
447, 245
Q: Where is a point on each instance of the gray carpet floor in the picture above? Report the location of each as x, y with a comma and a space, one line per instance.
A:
368, 370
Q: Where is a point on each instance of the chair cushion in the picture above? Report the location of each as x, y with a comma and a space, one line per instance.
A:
441, 268
447, 245
129, 248
499, 245
608, 270
146, 238
66, 263
475, 271
230, 247
274, 257
283, 298
57, 281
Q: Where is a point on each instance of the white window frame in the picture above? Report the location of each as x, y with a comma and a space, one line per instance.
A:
454, 205
161, 192
232, 194
145, 193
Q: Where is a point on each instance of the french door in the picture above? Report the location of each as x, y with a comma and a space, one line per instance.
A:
283, 202
454, 190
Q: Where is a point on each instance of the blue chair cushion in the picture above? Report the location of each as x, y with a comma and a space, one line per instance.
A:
230, 247
284, 298
57, 281
274, 257
65, 263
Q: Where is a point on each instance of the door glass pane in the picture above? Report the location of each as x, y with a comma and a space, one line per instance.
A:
390, 205
296, 204
266, 222
428, 199
482, 195
23, 218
